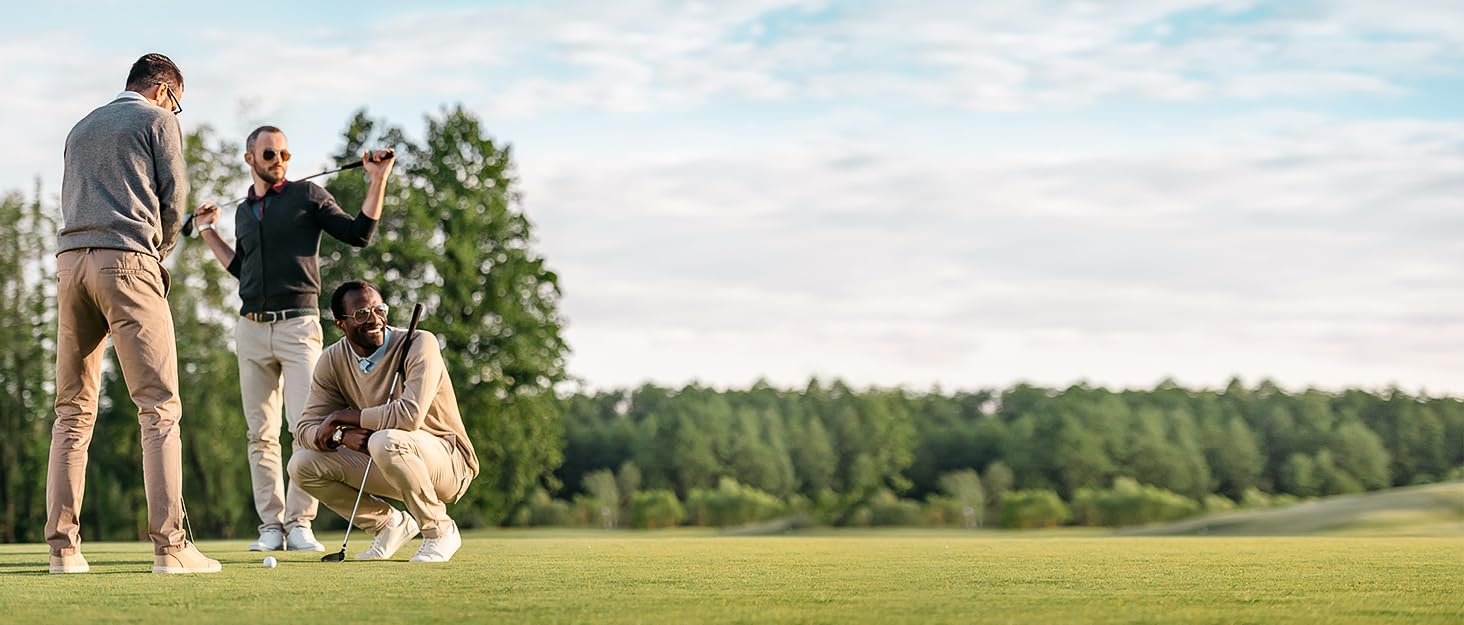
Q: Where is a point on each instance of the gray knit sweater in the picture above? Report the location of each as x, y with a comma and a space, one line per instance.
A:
125, 183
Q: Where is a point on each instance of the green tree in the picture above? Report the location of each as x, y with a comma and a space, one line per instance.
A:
964, 489
1298, 476
204, 301
1360, 453
1234, 458
815, 459
997, 480
604, 493
454, 237
27, 363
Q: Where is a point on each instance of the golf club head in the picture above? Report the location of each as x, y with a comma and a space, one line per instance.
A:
338, 556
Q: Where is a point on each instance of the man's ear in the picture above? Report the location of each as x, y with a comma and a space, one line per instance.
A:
249, 160
340, 325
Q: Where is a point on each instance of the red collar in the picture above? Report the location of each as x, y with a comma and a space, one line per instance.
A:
278, 186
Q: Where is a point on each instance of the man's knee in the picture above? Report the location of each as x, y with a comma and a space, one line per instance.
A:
386, 443
305, 465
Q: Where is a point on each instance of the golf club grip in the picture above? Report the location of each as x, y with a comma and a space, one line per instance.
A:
354, 164
401, 368
188, 225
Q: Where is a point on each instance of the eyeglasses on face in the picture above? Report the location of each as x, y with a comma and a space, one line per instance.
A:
364, 314
269, 155
177, 108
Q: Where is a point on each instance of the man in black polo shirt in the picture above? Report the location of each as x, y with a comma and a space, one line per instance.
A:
277, 229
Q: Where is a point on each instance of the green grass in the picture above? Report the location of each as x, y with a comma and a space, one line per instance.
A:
902, 576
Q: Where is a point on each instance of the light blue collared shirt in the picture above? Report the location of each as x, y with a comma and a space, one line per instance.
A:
130, 95
368, 363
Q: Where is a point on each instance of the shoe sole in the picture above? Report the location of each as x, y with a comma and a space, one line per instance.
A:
262, 549
65, 570
315, 548
176, 570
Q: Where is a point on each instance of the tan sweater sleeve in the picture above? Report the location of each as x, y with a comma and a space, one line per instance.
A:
325, 399
425, 371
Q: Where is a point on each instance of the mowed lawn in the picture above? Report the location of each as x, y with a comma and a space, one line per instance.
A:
827, 577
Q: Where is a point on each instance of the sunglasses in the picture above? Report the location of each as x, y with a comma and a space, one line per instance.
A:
269, 155
363, 315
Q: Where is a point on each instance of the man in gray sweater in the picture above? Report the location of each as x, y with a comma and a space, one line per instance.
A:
122, 197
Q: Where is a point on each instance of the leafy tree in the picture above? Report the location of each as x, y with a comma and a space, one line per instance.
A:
604, 494
965, 491
27, 363
454, 237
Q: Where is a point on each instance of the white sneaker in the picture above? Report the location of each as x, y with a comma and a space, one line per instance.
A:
270, 539
440, 549
390, 539
303, 539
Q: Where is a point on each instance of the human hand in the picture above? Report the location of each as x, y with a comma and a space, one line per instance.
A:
357, 439
206, 214
378, 164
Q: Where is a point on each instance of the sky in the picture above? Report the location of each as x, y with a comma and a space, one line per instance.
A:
923, 194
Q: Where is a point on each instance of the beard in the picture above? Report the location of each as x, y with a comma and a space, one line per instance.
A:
267, 174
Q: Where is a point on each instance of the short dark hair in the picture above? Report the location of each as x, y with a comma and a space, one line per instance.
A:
152, 69
338, 299
249, 143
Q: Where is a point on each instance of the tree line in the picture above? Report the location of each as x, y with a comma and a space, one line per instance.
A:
1084, 454
454, 237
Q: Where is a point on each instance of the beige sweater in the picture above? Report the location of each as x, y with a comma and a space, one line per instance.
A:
427, 402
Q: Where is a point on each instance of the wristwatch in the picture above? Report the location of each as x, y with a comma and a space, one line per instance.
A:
205, 227
336, 438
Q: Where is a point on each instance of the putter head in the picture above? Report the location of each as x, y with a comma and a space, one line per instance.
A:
338, 556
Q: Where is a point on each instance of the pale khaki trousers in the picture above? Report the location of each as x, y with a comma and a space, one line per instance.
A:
275, 357
421, 470
102, 291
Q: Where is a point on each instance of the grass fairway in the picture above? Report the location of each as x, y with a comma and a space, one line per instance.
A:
855, 577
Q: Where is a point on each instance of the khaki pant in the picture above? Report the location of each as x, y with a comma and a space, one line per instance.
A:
417, 468
267, 353
101, 291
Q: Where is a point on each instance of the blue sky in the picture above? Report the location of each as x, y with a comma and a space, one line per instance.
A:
916, 193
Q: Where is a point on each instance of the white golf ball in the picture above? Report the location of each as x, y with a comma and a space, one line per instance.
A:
270, 562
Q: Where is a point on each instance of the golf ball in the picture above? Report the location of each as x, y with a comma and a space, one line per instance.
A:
270, 562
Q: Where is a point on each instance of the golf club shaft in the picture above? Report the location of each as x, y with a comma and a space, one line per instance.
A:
188, 222
362, 490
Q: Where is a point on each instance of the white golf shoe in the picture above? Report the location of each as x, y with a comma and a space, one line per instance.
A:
303, 539
270, 539
402, 529
442, 548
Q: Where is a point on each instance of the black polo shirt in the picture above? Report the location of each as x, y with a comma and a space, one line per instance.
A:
276, 257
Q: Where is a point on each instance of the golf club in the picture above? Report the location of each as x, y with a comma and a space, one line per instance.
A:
391, 153
393, 391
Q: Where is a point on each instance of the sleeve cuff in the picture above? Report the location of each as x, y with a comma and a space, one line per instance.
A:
373, 418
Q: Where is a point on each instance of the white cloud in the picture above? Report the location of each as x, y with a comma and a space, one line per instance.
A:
882, 226
1329, 255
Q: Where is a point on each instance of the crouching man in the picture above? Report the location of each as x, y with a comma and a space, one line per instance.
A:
419, 449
